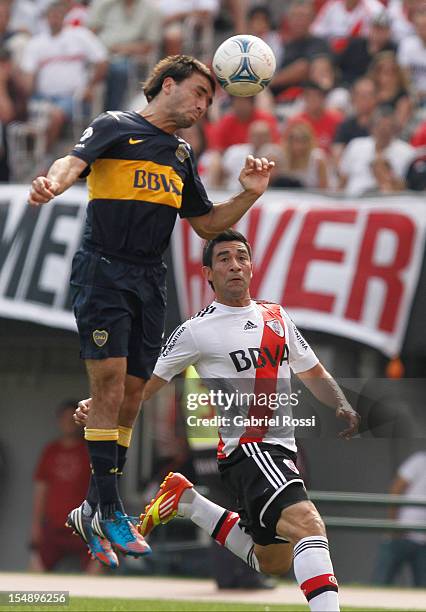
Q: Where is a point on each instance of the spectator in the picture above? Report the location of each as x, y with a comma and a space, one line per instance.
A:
323, 122
406, 548
130, 30
61, 478
401, 13
176, 13
6, 28
323, 71
304, 164
412, 56
274, 152
26, 16
11, 37
205, 158
392, 86
364, 103
340, 20
77, 14
233, 127
356, 58
232, 160
12, 107
55, 66
359, 171
299, 49
259, 23
418, 139
416, 175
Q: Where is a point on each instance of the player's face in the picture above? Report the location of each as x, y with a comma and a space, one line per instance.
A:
189, 100
231, 270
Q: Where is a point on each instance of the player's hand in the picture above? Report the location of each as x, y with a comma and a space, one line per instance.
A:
42, 191
255, 174
352, 418
81, 412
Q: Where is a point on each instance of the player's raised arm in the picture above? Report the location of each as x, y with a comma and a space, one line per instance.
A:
323, 386
62, 174
254, 178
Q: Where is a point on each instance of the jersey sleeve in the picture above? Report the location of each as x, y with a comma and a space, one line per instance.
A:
179, 352
195, 201
99, 136
301, 356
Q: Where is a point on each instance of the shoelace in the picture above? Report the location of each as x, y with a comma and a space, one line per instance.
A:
123, 527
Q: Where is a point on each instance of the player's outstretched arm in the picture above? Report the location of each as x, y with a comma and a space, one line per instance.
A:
323, 386
254, 178
62, 174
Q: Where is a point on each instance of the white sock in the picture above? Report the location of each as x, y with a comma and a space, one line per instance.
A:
220, 524
314, 573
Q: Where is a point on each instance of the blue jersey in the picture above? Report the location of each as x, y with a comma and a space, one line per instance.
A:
139, 179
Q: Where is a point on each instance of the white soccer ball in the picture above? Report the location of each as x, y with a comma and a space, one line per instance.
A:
244, 65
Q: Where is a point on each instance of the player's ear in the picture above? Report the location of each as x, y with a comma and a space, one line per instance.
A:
207, 273
168, 84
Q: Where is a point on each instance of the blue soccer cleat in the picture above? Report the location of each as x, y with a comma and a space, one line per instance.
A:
122, 534
99, 548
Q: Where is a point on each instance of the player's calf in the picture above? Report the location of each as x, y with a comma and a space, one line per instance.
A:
275, 559
302, 525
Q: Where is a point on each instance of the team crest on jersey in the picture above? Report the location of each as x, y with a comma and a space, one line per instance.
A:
276, 327
291, 465
100, 337
182, 153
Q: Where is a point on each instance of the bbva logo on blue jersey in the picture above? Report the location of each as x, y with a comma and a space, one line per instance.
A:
155, 181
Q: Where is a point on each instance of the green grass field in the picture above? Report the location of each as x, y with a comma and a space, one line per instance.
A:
156, 605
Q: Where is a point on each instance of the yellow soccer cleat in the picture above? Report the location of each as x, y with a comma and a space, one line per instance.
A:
164, 507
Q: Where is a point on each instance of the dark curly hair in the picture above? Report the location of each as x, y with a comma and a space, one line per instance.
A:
179, 67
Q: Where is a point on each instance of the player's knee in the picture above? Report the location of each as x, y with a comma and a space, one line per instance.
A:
302, 521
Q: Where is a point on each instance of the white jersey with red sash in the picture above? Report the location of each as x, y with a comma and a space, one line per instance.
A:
244, 356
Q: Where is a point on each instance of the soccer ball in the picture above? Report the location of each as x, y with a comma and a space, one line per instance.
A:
244, 65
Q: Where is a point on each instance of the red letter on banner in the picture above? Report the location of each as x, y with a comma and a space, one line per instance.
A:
403, 229
305, 252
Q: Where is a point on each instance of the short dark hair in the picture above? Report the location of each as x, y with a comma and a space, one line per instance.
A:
179, 67
225, 236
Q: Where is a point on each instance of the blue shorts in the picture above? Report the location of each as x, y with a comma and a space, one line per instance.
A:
120, 309
65, 103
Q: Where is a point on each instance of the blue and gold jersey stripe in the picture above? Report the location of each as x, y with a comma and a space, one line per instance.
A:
137, 180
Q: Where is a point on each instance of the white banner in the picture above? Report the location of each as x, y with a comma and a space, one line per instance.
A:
36, 249
346, 267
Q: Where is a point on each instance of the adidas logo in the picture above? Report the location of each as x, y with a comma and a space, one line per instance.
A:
250, 325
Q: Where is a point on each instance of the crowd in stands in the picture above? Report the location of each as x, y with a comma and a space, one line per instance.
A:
345, 112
